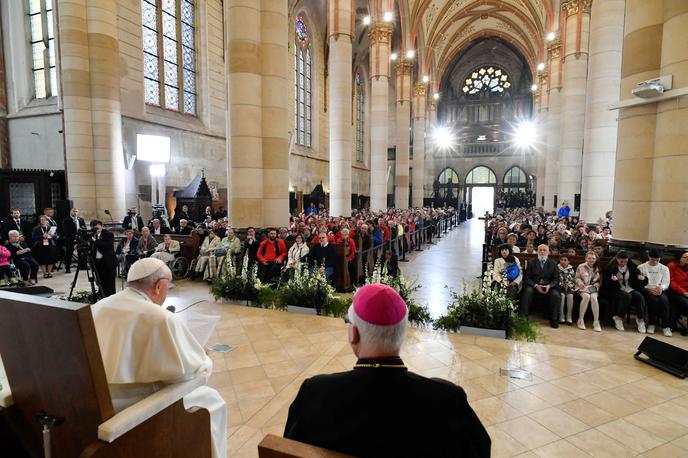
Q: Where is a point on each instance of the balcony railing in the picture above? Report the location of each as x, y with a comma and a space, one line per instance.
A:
477, 149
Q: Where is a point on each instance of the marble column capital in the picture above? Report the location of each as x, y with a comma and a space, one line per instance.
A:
554, 49
420, 89
380, 32
403, 66
573, 7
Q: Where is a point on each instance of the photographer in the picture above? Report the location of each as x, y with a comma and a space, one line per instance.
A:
70, 226
104, 257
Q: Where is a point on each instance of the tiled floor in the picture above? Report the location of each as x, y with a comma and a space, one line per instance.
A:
587, 396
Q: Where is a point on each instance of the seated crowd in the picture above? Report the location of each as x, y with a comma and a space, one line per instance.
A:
656, 293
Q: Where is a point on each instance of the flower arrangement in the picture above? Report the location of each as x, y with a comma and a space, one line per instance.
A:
307, 288
83, 297
481, 307
418, 314
236, 284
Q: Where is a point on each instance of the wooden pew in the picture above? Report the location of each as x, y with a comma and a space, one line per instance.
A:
53, 363
278, 447
190, 244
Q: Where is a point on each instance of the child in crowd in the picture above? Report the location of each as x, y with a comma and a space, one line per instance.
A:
571, 251
567, 284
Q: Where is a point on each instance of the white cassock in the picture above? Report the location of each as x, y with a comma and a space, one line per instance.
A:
145, 347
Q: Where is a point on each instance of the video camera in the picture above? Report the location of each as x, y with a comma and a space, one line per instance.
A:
158, 211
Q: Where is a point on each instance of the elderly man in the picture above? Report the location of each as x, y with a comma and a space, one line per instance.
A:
147, 244
542, 277
22, 258
167, 250
380, 408
184, 228
145, 347
158, 229
126, 251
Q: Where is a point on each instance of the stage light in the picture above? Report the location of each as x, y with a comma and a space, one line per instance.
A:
410, 54
366, 20
551, 36
387, 16
393, 56
426, 78
541, 66
534, 87
524, 135
152, 148
436, 96
157, 170
443, 137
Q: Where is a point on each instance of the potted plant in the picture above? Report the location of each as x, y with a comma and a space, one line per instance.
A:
237, 285
306, 291
483, 310
83, 297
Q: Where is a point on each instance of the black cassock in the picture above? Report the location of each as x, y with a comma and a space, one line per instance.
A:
106, 262
386, 412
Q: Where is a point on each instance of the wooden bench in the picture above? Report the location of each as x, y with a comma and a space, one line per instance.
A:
53, 363
278, 447
190, 244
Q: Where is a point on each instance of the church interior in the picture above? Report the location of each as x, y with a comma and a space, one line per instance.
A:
246, 171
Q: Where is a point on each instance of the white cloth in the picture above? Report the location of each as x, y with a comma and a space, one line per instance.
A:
656, 275
145, 347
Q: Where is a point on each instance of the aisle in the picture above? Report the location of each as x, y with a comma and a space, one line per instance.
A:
453, 260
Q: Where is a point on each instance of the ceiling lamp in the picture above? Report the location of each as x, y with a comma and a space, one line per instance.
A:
541, 66
410, 54
393, 56
426, 78
366, 20
534, 87
551, 36
436, 96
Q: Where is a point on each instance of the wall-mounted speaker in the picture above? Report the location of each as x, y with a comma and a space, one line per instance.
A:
576, 202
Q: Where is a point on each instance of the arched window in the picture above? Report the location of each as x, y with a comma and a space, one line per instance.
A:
447, 184
515, 180
302, 83
491, 80
169, 54
360, 117
481, 175
448, 175
43, 48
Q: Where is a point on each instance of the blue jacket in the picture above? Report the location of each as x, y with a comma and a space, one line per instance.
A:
564, 212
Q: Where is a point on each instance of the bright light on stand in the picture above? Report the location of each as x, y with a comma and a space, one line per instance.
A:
443, 138
152, 148
525, 134
157, 170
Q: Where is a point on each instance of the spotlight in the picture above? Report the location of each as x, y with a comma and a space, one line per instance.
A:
366, 20
541, 66
443, 138
436, 96
387, 16
426, 78
524, 135
393, 56
410, 54
551, 36
534, 87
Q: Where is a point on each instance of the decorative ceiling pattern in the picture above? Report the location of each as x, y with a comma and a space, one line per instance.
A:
440, 29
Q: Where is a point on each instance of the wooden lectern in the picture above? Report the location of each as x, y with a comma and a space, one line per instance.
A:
52, 359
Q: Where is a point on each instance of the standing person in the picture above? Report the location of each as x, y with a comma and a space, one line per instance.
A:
588, 283
14, 223
542, 277
133, 220
70, 228
271, 255
22, 259
322, 256
655, 293
678, 289
252, 245
349, 254
104, 257
44, 245
567, 282
372, 409
144, 347
621, 285
564, 211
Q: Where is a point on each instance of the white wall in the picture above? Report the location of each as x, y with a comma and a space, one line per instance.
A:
36, 142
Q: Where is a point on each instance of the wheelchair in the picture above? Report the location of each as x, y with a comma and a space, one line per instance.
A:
12, 279
180, 267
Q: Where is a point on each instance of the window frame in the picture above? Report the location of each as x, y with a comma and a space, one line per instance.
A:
303, 87
359, 86
51, 85
180, 68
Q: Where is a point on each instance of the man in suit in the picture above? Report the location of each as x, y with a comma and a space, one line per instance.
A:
70, 228
14, 223
184, 228
180, 215
380, 408
104, 257
158, 229
133, 220
542, 278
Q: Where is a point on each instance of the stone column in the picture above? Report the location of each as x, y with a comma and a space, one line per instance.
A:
4, 133
642, 51
431, 171
245, 115
577, 26
604, 78
419, 94
553, 123
340, 26
669, 209
89, 55
274, 25
404, 69
541, 146
380, 37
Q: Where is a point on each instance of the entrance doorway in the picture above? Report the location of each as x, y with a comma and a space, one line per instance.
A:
482, 200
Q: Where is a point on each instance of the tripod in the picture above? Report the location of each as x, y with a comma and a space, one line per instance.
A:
86, 263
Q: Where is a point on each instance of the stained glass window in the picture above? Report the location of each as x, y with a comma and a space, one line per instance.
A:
360, 117
43, 48
303, 102
492, 80
481, 175
169, 54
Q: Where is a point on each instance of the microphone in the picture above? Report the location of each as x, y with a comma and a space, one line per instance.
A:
107, 212
171, 308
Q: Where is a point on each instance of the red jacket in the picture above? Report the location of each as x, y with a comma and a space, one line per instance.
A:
679, 278
386, 233
266, 251
352, 249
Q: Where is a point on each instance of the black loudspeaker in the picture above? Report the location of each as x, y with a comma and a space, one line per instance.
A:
576, 202
43, 291
62, 209
664, 356
555, 200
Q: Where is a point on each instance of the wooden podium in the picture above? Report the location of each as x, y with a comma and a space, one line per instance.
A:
52, 359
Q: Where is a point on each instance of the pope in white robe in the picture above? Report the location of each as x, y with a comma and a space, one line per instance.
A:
145, 347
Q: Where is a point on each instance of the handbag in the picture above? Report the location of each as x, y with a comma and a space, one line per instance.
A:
512, 271
219, 252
